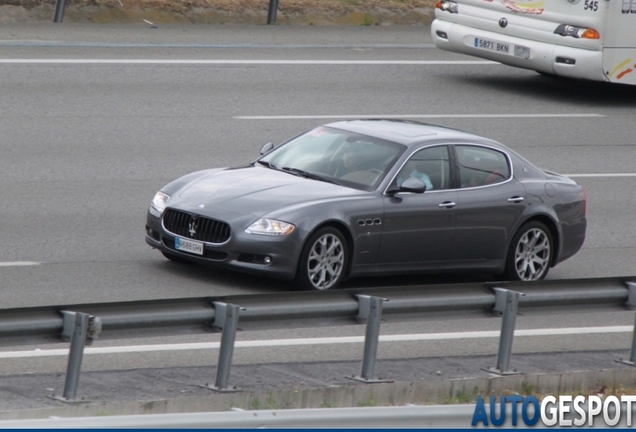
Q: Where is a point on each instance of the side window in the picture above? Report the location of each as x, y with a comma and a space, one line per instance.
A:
431, 165
480, 166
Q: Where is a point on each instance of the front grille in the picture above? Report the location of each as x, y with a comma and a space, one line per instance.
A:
206, 230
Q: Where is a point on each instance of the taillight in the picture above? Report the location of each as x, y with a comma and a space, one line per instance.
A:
577, 32
447, 6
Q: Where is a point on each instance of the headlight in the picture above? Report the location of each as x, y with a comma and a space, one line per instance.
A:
159, 201
271, 227
577, 32
448, 6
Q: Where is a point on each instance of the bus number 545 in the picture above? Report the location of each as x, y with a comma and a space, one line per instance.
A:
591, 5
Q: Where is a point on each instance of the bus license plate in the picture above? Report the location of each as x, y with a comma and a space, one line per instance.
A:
186, 245
489, 45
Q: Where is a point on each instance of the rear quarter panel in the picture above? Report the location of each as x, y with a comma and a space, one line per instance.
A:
563, 203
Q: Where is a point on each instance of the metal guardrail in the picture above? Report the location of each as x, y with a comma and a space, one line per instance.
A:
434, 416
82, 323
310, 309
400, 417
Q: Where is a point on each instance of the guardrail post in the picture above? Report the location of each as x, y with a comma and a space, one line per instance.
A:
506, 304
632, 353
370, 308
225, 317
82, 329
271, 12
59, 11
631, 304
631, 295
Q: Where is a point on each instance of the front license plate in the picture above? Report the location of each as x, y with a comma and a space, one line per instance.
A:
186, 245
487, 44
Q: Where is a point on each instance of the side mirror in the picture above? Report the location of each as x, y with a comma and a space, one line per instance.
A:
267, 148
411, 184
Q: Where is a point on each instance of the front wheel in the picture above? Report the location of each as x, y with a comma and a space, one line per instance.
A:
530, 253
323, 260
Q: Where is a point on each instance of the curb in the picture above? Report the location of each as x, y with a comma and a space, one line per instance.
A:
453, 391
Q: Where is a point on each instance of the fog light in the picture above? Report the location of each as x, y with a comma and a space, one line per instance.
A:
267, 260
442, 34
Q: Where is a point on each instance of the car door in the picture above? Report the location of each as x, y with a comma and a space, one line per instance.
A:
419, 228
489, 203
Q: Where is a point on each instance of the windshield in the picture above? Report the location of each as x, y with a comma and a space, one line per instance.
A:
345, 158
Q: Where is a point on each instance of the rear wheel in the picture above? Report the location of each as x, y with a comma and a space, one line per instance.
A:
530, 253
323, 260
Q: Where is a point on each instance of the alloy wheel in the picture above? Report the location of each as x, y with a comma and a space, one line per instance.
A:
325, 262
532, 255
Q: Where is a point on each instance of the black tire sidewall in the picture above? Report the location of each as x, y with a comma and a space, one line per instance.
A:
302, 276
511, 271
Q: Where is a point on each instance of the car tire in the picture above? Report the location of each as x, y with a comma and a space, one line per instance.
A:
175, 258
323, 261
530, 253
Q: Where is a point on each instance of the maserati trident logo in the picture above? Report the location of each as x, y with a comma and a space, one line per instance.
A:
192, 229
503, 23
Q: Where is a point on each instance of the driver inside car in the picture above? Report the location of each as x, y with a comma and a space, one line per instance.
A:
350, 162
410, 170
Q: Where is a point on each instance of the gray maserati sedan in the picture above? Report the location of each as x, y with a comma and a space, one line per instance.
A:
373, 197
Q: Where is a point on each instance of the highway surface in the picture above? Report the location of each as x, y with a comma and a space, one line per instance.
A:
95, 118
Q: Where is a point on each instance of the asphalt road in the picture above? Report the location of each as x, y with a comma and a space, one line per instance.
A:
96, 118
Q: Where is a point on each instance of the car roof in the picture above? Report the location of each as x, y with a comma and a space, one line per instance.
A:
406, 132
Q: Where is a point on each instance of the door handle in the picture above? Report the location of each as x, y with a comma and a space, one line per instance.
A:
448, 204
515, 199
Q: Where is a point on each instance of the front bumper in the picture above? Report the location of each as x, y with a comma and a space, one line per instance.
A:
544, 57
243, 252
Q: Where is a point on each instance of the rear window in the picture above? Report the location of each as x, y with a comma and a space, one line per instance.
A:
481, 166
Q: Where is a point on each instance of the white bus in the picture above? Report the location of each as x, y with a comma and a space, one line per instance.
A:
588, 39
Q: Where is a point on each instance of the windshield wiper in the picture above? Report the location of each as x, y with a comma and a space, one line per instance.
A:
267, 164
308, 175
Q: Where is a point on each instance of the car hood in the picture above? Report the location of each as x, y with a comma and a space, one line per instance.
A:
256, 190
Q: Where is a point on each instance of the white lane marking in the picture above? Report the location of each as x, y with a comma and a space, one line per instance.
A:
400, 116
319, 341
31, 42
18, 263
602, 175
249, 62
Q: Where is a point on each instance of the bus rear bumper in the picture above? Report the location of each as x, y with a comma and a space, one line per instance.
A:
513, 51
